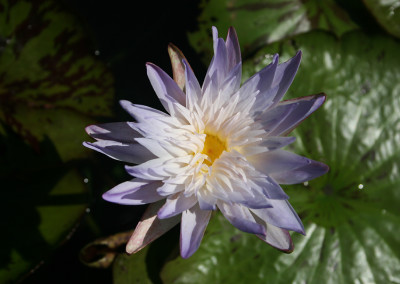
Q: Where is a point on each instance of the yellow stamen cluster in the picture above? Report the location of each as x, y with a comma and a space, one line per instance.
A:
213, 148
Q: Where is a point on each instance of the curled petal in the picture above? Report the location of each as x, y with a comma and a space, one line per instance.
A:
193, 225
178, 69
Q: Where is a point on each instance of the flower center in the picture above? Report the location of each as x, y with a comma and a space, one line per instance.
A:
213, 148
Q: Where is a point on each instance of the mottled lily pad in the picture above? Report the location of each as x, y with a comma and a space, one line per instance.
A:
262, 22
51, 86
51, 82
351, 214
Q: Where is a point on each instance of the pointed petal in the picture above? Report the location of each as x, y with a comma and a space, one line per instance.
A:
231, 83
303, 107
117, 131
278, 238
271, 188
134, 192
277, 161
218, 67
307, 172
240, 217
281, 215
131, 153
150, 228
176, 204
166, 89
193, 225
140, 112
284, 76
273, 143
260, 83
271, 118
193, 89
233, 49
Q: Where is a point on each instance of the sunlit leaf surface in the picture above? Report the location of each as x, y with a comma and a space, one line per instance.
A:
387, 13
351, 214
261, 22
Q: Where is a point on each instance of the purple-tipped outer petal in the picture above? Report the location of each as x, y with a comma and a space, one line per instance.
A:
278, 238
305, 173
281, 215
116, 131
131, 153
240, 217
284, 76
233, 49
134, 192
193, 225
300, 109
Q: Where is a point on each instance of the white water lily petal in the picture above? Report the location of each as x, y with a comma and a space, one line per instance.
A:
166, 89
175, 204
193, 224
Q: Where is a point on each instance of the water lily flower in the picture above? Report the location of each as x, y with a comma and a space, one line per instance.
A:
218, 147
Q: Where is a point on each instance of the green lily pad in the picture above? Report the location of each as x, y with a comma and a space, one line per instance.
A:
131, 269
387, 13
351, 214
51, 81
262, 22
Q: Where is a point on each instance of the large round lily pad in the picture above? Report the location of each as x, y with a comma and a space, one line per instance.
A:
351, 214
